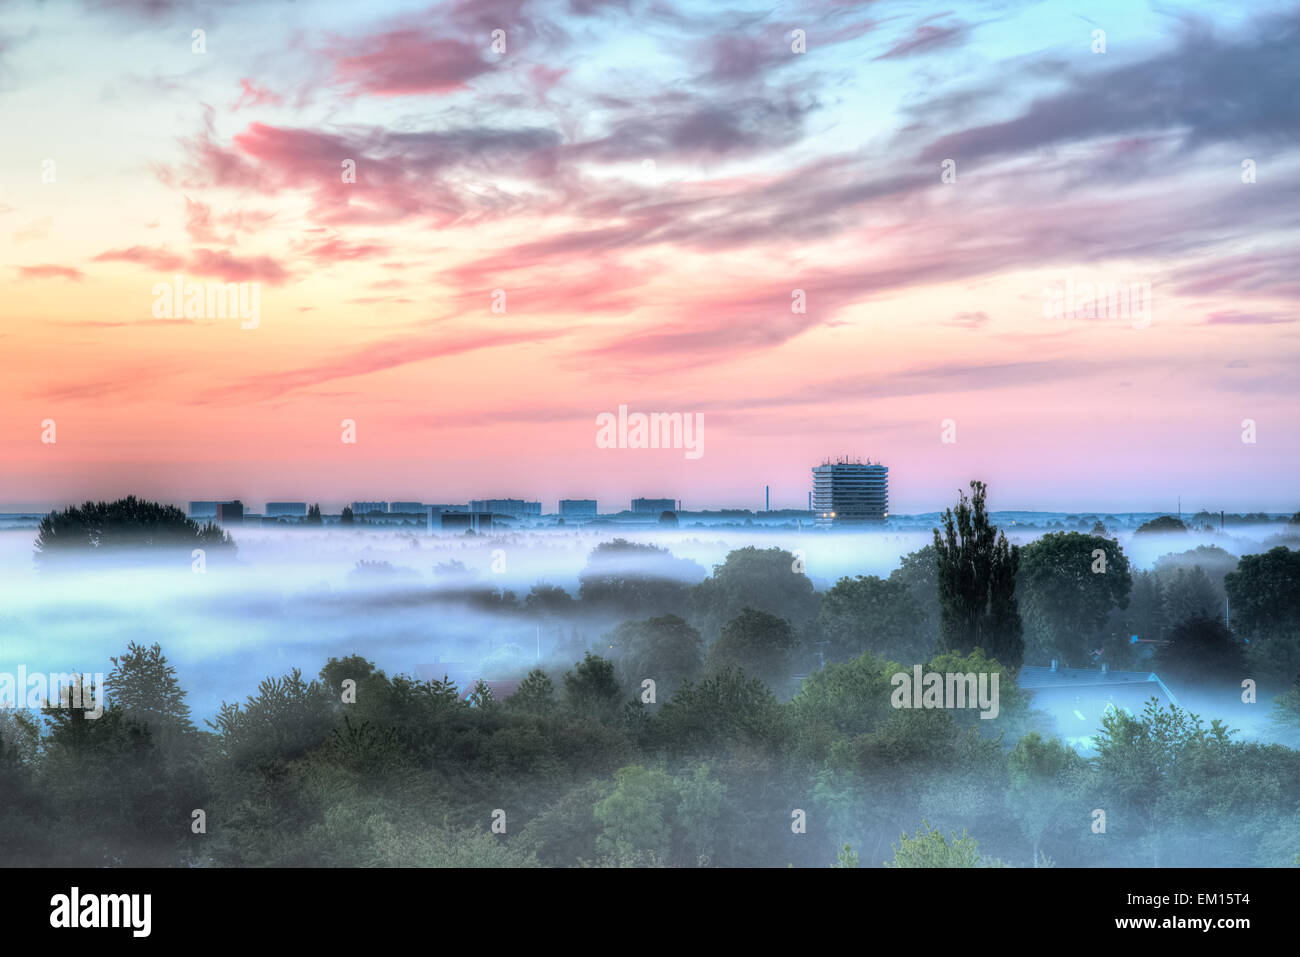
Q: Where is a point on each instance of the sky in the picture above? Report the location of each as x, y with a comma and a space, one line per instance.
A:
827, 228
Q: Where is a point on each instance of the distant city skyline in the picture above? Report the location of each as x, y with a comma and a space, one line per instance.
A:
611, 506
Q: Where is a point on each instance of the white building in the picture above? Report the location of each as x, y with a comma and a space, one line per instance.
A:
847, 493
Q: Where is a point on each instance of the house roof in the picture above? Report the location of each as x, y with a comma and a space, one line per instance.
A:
1039, 678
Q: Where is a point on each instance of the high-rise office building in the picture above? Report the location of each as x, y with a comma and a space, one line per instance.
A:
230, 513
847, 493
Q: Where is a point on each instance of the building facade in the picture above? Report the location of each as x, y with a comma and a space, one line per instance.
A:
286, 509
365, 508
850, 493
577, 508
514, 507
653, 506
465, 521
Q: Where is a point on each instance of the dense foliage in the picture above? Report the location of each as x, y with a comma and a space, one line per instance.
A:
739, 719
129, 522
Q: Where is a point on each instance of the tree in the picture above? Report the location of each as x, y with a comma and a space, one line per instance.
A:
1046, 786
918, 572
144, 686
1264, 593
287, 718
842, 701
1139, 760
1161, 525
977, 583
665, 649
1188, 592
1216, 562
591, 690
652, 817
128, 522
759, 644
480, 695
549, 601
931, 850
1065, 591
1146, 616
633, 817
313, 515
535, 694
769, 580
346, 518
1202, 647
636, 580
1285, 716
719, 714
668, 519
867, 614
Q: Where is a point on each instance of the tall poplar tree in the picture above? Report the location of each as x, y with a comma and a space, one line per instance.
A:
977, 584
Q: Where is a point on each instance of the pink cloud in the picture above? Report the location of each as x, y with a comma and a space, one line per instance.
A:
406, 62
254, 95
1245, 319
51, 272
155, 258
222, 264
339, 250
198, 223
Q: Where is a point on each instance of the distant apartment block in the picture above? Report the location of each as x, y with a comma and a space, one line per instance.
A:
203, 509
577, 508
406, 508
847, 493
515, 508
286, 509
653, 506
230, 513
461, 521
439, 509
365, 508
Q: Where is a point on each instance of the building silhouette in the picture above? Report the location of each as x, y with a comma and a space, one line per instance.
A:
577, 508
514, 507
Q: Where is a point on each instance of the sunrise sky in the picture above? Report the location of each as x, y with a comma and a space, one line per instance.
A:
648, 183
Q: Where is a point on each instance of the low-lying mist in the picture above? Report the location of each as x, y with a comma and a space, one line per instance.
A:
293, 597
